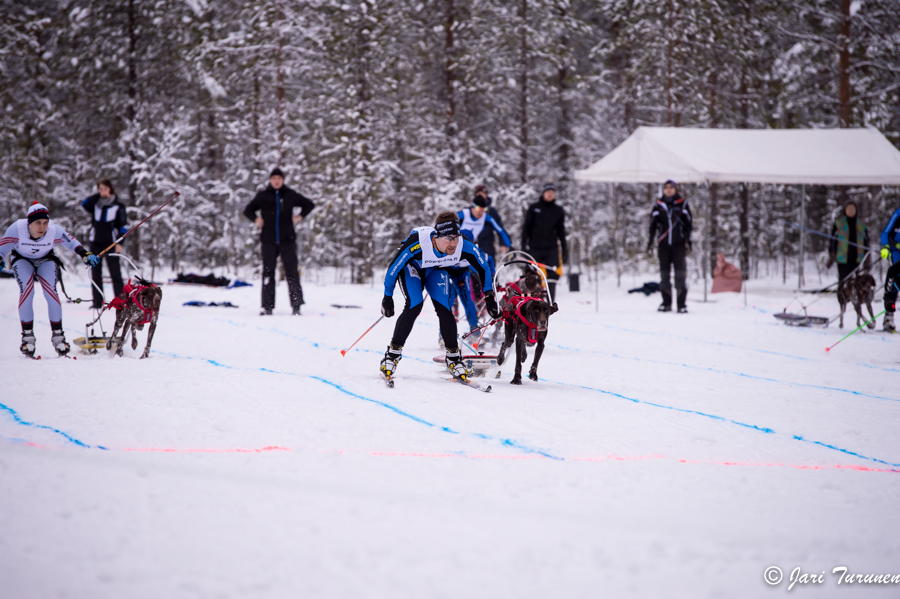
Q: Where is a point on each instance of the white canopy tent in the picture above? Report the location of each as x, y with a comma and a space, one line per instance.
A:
779, 156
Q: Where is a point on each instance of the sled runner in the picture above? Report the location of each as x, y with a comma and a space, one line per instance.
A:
802, 320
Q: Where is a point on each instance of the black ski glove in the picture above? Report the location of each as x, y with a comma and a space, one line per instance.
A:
491, 304
387, 306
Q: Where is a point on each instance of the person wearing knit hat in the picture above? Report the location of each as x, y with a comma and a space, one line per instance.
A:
671, 225
30, 242
108, 223
544, 234
276, 220
421, 266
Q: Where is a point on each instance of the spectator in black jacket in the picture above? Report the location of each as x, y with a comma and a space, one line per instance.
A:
670, 231
108, 223
544, 234
276, 204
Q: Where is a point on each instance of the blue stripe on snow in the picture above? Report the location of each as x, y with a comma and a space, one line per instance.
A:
731, 372
18, 420
722, 419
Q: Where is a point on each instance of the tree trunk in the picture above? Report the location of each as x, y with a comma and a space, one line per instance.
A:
130, 114
523, 95
845, 64
450, 82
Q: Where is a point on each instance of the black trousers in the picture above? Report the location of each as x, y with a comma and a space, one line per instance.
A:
115, 272
288, 252
673, 256
891, 282
550, 258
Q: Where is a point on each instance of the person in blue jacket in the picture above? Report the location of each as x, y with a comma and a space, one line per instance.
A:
484, 221
890, 250
461, 285
421, 264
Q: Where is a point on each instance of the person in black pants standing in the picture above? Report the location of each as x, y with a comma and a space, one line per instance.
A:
545, 226
670, 230
275, 205
108, 223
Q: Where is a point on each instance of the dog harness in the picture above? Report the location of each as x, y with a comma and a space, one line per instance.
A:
513, 310
131, 293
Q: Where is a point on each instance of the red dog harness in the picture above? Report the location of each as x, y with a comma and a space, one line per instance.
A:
513, 309
131, 293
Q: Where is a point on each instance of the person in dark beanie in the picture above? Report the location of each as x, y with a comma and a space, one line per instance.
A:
485, 236
670, 231
276, 221
544, 234
108, 223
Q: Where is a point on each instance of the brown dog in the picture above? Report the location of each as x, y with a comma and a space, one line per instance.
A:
858, 290
137, 306
526, 320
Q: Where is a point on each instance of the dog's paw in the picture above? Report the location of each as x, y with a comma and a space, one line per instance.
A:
533, 376
134, 342
516, 381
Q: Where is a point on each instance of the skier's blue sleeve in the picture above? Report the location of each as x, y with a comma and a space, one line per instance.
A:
478, 260
503, 235
410, 249
461, 215
886, 233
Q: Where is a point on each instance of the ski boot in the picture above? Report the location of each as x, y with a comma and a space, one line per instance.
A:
389, 361
456, 366
28, 343
889, 322
58, 339
265, 312
666, 305
682, 301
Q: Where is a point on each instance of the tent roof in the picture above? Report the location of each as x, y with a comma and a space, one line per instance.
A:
789, 156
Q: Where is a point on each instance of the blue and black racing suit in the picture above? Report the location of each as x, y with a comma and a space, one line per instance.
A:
414, 280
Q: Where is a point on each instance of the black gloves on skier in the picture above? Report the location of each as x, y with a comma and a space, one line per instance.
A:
387, 306
491, 304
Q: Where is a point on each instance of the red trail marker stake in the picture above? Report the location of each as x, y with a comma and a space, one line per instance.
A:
344, 351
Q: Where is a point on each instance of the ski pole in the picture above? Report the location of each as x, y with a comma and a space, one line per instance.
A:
344, 351
828, 349
484, 326
130, 231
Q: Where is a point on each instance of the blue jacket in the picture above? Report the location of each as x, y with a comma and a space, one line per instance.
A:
891, 236
483, 229
410, 253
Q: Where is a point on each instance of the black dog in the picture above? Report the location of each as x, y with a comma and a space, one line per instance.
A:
526, 321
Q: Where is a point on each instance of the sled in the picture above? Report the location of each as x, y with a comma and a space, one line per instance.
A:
90, 345
479, 364
802, 320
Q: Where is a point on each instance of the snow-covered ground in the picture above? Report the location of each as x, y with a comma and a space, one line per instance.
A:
660, 455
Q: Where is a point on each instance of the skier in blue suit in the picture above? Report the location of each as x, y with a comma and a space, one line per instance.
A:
890, 250
421, 264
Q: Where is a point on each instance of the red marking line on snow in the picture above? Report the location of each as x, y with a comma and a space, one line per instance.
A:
406, 454
621, 458
268, 448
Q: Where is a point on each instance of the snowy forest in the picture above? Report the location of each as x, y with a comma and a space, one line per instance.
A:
384, 112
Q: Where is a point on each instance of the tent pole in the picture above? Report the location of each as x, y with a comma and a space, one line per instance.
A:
802, 235
706, 242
